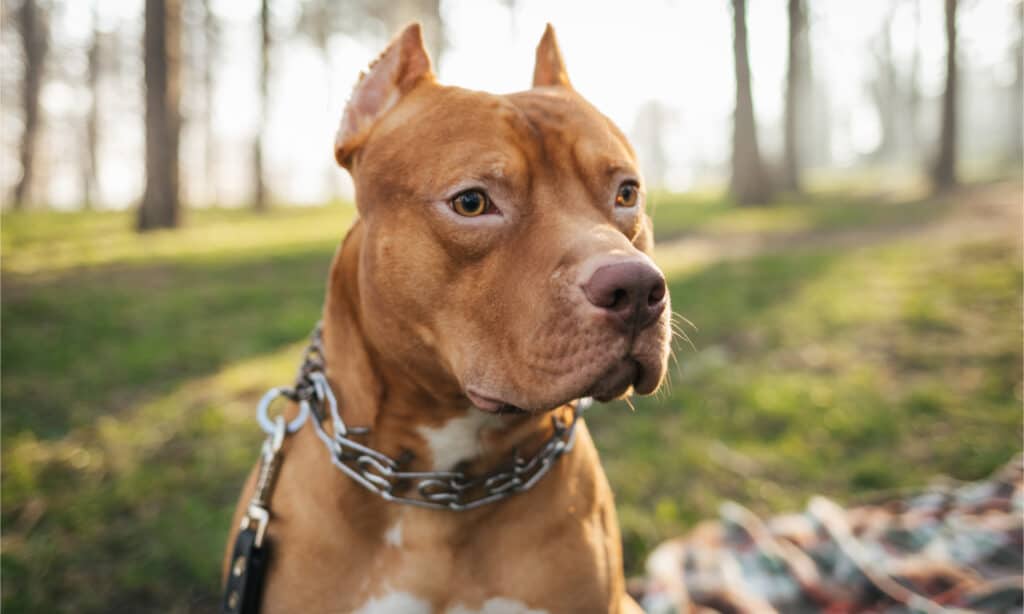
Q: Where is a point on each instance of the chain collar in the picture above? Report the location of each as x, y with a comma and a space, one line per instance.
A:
383, 475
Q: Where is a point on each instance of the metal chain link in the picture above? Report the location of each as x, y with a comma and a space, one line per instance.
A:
383, 475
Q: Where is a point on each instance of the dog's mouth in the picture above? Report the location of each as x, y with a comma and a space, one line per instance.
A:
492, 405
612, 384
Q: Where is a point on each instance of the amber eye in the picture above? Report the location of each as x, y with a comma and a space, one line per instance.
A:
628, 196
470, 203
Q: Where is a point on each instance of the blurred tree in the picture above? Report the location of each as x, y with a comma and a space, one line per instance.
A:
913, 89
944, 171
750, 184
651, 124
33, 29
317, 21
160, 207
397, 13
211, 47
884, 88
1017, 88
814, 115
372, 21
894, 89
321, 18
795, 87
91, 169
260, 196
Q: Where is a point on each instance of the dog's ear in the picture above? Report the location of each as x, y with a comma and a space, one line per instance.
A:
402, 66
549, 68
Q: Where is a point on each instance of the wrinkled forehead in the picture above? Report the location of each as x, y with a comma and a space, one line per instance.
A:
567, 128
495, 137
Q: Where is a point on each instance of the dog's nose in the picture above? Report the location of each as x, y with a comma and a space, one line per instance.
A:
634, 291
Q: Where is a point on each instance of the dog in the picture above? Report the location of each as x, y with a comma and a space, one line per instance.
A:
499, 270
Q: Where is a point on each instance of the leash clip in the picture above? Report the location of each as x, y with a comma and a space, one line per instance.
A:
257, 516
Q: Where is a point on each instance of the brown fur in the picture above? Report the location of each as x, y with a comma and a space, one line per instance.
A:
422, 306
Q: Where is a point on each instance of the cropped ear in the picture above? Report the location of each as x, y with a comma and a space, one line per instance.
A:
549, 68
403, 65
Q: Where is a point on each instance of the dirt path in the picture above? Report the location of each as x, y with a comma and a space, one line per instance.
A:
976, 213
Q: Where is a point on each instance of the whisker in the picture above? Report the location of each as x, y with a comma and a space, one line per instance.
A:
666, 390
675, 359
678, 330
676, 314
682, 335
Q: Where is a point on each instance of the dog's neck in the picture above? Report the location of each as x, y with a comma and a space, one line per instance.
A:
420, 417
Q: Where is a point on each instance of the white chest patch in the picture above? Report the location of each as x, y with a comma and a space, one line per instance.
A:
458, 439
393, 536
395, 603
497, 605
405, 603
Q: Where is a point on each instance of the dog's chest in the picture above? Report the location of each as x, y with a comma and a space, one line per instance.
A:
545, 550
398, 602
417, 573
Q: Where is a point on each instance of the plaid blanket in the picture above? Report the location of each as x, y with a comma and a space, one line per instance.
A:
949, 548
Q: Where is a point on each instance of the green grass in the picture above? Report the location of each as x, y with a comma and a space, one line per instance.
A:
827, 210
132, 365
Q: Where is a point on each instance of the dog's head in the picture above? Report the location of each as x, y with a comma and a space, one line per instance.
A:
506, 247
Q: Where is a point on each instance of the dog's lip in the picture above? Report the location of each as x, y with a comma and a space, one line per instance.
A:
617, 380
490, 404
628, 373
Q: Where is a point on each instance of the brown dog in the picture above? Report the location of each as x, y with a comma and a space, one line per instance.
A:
498, 271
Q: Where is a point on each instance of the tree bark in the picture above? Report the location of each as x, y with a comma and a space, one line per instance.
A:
32, 28
160, 206
794, 87
944, 172
259, 201
749, 183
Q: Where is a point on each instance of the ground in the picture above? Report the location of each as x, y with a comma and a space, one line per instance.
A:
848, 342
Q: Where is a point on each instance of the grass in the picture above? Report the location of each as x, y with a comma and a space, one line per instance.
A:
132, 365
834, 208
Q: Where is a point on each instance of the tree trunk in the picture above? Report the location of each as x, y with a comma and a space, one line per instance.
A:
92, 170
259, 202
794, 88
914, 89
162, 42
944, 173
32, 27
884, 91
210, 49
749, 184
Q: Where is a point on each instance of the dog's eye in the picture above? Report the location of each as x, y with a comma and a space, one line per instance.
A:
470, 203
628, 196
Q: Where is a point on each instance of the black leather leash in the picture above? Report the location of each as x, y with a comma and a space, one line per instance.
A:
244, 589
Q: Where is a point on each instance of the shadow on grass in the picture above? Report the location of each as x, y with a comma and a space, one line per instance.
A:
89, 342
